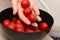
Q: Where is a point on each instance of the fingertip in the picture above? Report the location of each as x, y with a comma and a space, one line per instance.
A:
14, 11
39, 18
34, 24
37, 11
28, 23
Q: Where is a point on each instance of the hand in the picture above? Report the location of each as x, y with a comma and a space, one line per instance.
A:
16, 4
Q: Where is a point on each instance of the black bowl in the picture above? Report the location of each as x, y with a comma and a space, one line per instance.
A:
8, 14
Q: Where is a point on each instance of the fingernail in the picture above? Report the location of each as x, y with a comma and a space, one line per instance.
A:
28, 23
38, 13
34, 24
39, 18
14, 12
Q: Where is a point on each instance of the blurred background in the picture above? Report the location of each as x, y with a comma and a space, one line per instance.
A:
51, 6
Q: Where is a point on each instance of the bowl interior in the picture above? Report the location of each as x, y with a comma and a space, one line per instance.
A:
46, 17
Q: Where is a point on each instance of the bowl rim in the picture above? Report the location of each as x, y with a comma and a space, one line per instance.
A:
27, 32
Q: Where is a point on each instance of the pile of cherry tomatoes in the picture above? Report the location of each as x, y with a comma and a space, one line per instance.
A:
18, 25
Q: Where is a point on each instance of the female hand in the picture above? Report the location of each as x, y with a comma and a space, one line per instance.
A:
16, 4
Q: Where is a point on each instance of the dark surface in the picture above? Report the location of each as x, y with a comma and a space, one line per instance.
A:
56, 38
7, 14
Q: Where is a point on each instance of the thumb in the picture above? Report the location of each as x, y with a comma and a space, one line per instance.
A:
14, 6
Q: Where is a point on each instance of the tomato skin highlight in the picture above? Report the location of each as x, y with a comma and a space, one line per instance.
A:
6, 22
25, 3
43, 26
27, 11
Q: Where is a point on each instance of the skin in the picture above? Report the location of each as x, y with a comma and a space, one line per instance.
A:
17, 8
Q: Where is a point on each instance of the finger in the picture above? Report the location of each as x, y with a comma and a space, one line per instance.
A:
21, 15
39, 18
19, 0
36, 10
34, 24
14, 6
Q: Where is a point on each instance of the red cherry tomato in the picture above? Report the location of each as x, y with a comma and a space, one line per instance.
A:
20, 30
12, 26
17, 21
32, 18
43, 26
29, 30
20, 27
6, 22
25, 3
27, 11
35, 28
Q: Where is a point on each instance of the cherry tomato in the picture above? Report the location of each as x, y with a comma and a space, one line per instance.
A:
29, 30
17, 21
27, 11
6, 22
38, 31
20, 27
35, 28
32, 18
25, 3
20, 30
43, 26
12, 26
